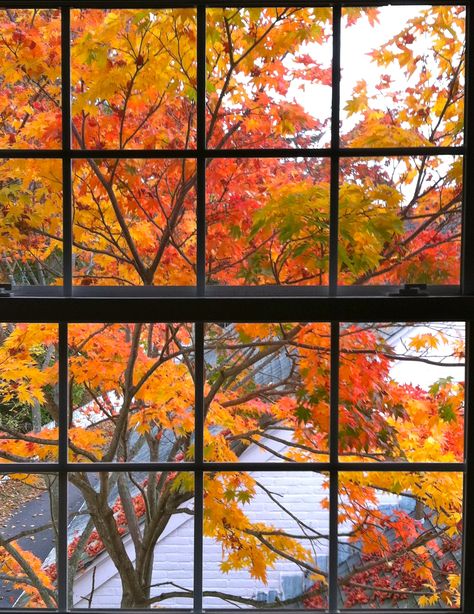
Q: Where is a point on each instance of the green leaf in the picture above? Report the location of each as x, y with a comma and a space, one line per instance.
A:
303, 413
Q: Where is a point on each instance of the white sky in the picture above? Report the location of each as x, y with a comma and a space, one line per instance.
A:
356, 42
422, 374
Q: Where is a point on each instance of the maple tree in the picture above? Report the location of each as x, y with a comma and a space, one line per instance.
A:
134, 86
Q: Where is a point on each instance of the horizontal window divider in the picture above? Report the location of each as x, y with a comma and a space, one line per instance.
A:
237, 309
130, 154
216, 610
155, 4
32, 467
342, 152
361, 3
220, 291
258, 611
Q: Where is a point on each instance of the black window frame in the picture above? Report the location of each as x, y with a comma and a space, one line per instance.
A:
203, 303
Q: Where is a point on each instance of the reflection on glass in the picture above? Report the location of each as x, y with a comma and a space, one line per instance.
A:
269, 81
267, 392
266, 540
400, 220
144, 540
133, 78
134, 222
31, 222
29, 403
30, 78
400, 540
401, 392
132, 396
403, 76
267, 222
28, 537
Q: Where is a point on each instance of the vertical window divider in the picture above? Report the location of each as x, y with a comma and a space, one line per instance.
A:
333, 472
198, 463
201, 151
62, 545
467, 258
335, 119
467, 574
66, 147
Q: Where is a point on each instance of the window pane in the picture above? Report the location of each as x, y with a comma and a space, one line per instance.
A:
140, 553
133, 78
29, 404
134, 222
400, 540
401, 392
28, 532
30, 79
400, 220
267, 392
266, 540
132, 392
269, 81
31, 222
403, 76
268, 222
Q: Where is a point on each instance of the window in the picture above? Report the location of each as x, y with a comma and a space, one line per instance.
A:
234, 353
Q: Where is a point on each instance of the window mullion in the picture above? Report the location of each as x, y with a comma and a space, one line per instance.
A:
335, 121
468, 495
62, 529
333, 473
201, 149
66, 148
198, 459
467, 270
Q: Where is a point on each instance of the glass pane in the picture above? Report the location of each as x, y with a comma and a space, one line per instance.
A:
403, 76
266, 540
132, 392
400, 540
142, 523
29, 403
30, 78
31, 222
134, 222
133, 78
267, 392
400, 220
401, 392
268, 222
269, 80
28, 533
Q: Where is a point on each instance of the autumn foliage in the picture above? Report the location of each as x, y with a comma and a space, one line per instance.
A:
267, 386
